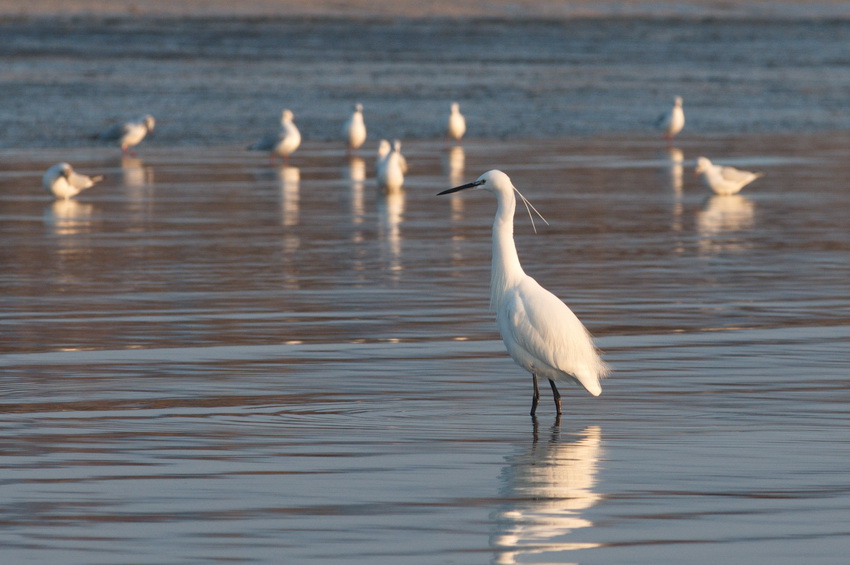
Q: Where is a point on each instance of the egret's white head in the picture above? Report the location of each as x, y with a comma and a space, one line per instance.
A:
500, 184
703, 164
494, 181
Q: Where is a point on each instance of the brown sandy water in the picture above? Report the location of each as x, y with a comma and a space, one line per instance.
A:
207, 358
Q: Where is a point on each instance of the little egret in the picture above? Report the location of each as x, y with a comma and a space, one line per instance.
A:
354, 130
63, 182
540, 332
129, 134
672, 121
456, 126
723, 180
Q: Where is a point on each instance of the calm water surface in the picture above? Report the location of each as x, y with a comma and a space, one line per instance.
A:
206, 358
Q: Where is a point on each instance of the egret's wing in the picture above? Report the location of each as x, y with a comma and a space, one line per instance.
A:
541, 324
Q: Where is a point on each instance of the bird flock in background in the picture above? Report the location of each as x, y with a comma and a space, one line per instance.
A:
390, 167
539, 331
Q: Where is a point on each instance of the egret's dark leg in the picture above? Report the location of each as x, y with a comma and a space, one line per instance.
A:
556, 395
536, 398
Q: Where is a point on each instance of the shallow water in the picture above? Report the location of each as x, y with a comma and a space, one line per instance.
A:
206, 358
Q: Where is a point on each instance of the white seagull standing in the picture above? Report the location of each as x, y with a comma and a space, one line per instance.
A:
63, 182
391, 169
672, 121
457, 124
540, 332
129, 134
384, 148
354, 130
723, 180
283, 143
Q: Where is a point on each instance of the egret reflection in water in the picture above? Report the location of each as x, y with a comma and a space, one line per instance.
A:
547, 486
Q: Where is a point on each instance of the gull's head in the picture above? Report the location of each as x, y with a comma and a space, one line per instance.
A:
455, 107
66, 170
149, 122
287, 116
358, 108
397, 145
677, 101
703, 165
384, 148
494, 181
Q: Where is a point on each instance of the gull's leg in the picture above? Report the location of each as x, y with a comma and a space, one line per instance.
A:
536, 397
556, 395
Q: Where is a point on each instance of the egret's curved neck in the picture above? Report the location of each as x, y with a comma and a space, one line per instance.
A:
505, 269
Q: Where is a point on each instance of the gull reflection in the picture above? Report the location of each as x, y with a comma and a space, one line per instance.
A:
69, 217
390, 213
288, 179
355, 173
719, 220
548, 486
674, 168
453, 165
135, 174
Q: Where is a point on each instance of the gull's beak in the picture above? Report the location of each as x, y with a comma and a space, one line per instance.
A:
461, 187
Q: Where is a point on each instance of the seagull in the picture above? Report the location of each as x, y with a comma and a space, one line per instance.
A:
129, 134
63, 182
540, 332
384, 148
283, 143
457, 124
723, 180
354, 130
391, 169
672, 121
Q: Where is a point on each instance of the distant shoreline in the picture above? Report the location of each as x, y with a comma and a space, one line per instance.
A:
413, 9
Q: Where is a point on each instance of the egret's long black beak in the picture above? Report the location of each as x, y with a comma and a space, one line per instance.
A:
461, 187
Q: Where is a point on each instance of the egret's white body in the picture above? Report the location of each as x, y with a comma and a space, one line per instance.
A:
391, 169
283, 143
129, 134
672, 121
540, 332
354, 130
457, 123
723, 180
63, 182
